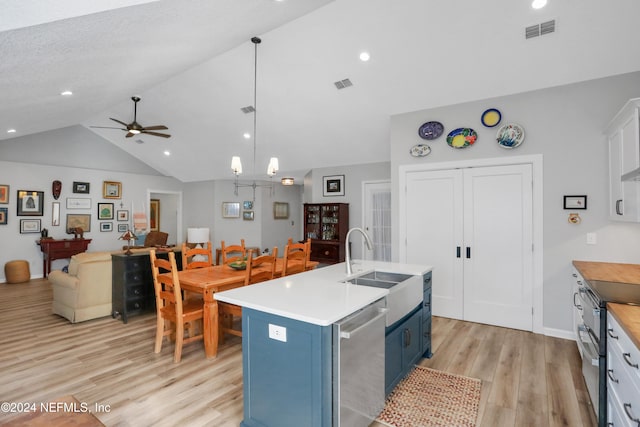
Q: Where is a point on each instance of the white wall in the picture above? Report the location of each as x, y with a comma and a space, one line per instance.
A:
25, 176
354, 175
565, 124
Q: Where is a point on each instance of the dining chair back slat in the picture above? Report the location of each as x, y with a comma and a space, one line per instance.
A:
188, 255
173, 314
232, 253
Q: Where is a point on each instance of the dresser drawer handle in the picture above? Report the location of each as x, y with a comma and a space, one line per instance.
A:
627, 408
610, 333
610, 375
627, 358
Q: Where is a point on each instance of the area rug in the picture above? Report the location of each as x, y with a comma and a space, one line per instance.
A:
429, 398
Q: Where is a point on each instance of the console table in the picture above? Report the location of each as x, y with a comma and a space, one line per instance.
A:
53, 249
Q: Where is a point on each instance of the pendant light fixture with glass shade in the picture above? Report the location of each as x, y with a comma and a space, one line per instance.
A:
236, 163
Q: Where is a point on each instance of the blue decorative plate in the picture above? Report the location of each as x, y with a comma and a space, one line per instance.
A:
461, 137
491, 117
510, 135
430, 130
420, 150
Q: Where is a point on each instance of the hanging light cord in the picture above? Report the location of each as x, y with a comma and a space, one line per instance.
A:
256, 41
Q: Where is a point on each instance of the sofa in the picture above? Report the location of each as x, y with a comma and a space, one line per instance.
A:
84, 292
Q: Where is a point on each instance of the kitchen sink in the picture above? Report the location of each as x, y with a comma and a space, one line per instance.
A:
405, 291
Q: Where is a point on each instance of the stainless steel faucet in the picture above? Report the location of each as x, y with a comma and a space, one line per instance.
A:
367, 240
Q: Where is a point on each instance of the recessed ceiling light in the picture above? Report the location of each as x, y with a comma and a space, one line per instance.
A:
11, 131
66, 93
167, 152
246, 135
364, 56
538, 4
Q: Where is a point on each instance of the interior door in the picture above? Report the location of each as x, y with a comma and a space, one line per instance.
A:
377, 220
434, 235
474, 226
498, 238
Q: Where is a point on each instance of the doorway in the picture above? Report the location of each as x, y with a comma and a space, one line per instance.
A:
474, 223
377, 219
169, 205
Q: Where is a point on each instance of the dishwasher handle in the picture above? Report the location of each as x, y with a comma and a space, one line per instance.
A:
354, 331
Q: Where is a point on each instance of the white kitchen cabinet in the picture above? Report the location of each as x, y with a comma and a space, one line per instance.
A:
623, 382
623, 137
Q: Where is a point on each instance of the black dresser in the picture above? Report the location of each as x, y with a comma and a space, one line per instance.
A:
132, 283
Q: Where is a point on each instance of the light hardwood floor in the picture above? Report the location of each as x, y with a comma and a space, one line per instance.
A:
527, 379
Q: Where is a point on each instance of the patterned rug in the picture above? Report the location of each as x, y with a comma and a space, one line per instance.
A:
427, 398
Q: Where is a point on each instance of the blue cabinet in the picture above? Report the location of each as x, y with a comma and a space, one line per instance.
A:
408, 340
286, 384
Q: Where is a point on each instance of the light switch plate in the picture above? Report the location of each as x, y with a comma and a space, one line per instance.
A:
278, 332
591, 238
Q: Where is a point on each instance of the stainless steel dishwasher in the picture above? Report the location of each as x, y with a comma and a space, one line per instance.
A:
359, 366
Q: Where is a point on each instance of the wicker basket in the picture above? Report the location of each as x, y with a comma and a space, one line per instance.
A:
17, 271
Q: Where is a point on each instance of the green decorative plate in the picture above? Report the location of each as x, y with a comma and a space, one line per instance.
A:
238, 265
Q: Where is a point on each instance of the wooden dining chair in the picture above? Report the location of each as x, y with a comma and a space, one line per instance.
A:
259, 269
188, 255
295, 258
173, 314
233, 252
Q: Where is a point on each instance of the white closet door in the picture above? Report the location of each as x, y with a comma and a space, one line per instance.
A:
498, 238
434, 233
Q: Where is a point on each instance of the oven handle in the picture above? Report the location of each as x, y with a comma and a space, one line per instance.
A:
578, 306
586, 349
627, 408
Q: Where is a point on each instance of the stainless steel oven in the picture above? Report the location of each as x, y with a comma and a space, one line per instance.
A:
587, 315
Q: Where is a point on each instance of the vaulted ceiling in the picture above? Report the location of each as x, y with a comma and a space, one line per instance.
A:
192, 64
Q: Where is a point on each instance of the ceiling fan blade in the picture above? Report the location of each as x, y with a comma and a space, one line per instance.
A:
163, 135
129, 135
118, 121
106, 127
158, 127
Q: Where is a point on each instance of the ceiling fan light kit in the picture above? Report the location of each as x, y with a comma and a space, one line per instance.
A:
134, 128
236, 163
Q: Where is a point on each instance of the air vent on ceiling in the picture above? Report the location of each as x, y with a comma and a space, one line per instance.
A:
341, 84
248, 109
547, 27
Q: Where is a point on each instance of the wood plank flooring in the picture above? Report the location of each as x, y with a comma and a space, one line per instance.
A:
528, 379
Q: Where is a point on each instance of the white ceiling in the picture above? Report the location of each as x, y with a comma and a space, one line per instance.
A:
191, 62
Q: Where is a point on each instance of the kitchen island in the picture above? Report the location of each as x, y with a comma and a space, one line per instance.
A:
290, 357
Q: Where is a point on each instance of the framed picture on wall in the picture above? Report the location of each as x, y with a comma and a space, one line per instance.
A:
123, 216
78, 221
105, 210
30, 203
154, 215
575, 202
81, 187
231, 209
4, 194
30, 226
106, 226
333, 185
247, 215
280, 210
111, 190
4, 213
123, 228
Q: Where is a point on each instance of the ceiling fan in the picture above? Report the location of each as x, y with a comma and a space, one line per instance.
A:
134, 128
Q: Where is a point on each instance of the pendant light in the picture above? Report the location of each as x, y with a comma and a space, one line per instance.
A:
236, 163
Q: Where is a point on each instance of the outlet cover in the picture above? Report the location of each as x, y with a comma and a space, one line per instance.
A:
591, 239
277, 332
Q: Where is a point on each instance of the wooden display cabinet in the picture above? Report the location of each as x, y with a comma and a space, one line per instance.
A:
326, 224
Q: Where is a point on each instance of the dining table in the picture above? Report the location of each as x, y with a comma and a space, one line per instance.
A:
207, 281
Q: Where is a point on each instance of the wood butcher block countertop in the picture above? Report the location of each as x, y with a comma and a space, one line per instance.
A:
609, 271
612, 273
629, 318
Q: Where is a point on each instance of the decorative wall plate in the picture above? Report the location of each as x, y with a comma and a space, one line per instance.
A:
491, 117
461, 137
420, 150
510, 135
430, 130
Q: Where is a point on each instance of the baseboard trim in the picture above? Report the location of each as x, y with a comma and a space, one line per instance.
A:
559, 333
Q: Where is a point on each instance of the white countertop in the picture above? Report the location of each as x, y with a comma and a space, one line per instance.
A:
319, 296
